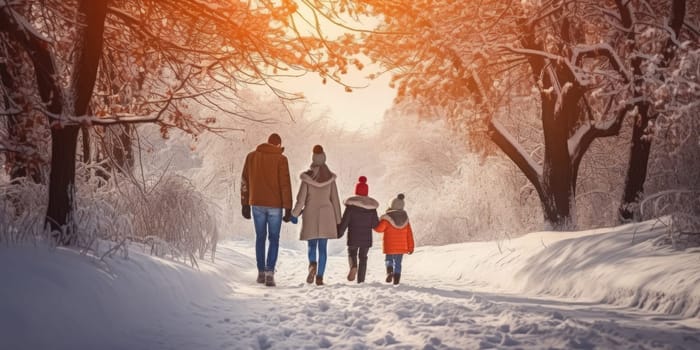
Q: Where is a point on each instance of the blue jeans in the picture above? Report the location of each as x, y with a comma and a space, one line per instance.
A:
394, 260
322, 244
268, 222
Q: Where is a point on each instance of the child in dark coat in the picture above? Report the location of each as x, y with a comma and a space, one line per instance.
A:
359, 218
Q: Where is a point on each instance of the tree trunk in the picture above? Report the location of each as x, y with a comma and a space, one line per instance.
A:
64, 139
636, 167
122, 149
558, 204
86, 144
641, 146
62, 183
557, 179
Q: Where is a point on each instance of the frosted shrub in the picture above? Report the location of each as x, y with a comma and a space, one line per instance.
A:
96, 219
22, 211
171, 217
683, 208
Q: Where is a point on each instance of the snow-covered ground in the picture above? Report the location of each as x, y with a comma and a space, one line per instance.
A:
606, 289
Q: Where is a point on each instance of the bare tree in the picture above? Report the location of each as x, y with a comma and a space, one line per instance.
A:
149, 59
568, 61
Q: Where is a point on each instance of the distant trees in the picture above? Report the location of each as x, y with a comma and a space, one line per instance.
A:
104, 63
580, 68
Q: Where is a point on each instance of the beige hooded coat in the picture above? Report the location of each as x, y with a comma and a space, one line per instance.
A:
321, 208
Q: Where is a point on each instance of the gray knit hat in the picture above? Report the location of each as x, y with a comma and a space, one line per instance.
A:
397, 203
319, 157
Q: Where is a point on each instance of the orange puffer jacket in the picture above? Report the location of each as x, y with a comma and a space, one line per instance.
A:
397, 240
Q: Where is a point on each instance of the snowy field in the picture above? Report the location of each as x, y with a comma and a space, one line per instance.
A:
604, 289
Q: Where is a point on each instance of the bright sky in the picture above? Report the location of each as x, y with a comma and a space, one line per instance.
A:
360, 109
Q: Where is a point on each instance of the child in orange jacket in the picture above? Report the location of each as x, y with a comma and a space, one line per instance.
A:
398, 238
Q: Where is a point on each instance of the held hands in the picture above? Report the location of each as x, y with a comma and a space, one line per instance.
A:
246, 211
340, 233
287, 215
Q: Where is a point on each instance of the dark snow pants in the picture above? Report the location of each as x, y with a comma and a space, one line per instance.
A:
353, 254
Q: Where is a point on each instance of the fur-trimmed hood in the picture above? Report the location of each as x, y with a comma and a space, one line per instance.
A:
309, 180
397, 218
364, 202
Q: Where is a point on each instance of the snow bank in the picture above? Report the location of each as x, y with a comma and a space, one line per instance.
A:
469, 295
59, 299
621, 266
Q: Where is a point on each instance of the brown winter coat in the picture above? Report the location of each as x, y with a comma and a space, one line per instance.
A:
398, 236
265, 179
321, 208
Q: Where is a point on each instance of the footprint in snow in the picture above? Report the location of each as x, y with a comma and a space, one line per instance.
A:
388, 339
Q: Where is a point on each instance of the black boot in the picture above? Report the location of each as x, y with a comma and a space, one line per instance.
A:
362, 270
261, 277
312, 272
389, 274
397, 278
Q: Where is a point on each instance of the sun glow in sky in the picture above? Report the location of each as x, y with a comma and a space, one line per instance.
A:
361, 109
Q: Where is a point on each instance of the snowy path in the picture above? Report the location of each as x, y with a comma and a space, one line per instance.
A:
56, 299
422, 313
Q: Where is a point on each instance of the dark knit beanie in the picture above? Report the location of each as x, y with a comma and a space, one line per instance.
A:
274, 139
361, 189
397, 203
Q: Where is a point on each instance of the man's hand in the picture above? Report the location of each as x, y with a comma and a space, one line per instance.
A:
287, 215
246, 211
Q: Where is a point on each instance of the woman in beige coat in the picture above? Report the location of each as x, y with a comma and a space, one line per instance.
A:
319, 207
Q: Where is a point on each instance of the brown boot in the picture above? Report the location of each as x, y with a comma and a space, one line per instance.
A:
389, 274
397, 278
319, 280
261, 277
312, 272
352, 273
270, 279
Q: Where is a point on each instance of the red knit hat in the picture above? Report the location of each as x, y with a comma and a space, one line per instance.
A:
361, 189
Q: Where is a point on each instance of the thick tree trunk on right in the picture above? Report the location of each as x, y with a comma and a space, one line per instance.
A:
558, 180
641, 142
636, 167
559, 189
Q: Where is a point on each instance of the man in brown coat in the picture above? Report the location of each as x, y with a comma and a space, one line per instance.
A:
265, 185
